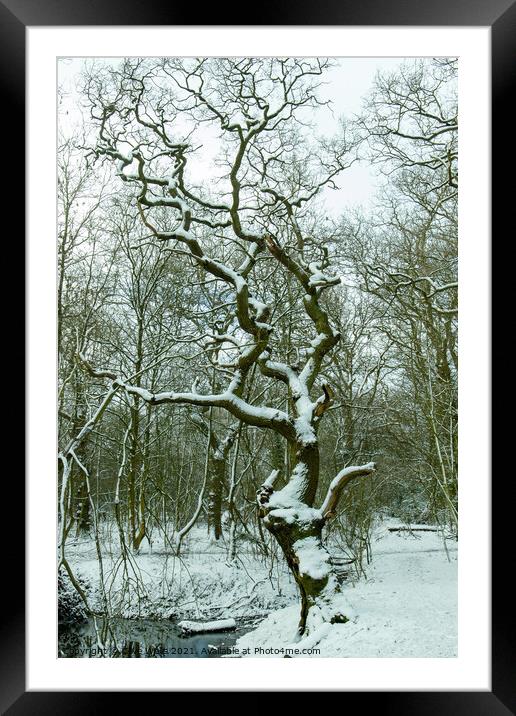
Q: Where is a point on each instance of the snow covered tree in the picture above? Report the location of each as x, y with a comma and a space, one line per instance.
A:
252, 223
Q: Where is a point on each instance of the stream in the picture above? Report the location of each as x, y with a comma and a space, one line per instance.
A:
141, 639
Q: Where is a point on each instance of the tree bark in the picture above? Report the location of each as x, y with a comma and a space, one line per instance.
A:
81, 512
218, 449
215, 488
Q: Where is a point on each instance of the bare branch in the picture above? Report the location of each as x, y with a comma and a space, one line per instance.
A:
344, 477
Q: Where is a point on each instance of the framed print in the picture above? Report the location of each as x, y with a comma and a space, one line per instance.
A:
248, 249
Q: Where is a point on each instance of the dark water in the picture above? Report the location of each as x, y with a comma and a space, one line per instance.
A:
141, 638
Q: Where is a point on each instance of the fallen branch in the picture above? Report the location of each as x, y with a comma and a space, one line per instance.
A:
413, 529
189, 627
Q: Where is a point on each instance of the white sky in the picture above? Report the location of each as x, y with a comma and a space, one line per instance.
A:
346, 86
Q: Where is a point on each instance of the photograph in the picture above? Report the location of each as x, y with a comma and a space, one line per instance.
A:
257, 357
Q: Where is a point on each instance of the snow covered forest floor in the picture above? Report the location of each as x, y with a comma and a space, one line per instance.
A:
406, 606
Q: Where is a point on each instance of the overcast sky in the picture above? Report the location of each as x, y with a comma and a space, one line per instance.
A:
347, 84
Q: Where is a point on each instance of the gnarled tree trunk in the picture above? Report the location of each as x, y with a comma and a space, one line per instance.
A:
297, 527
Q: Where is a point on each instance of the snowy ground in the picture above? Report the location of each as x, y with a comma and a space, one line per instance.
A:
406, 607
200, 584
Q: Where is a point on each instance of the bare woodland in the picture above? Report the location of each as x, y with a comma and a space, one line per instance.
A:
233, 357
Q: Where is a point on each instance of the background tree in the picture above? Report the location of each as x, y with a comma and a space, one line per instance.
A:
405, 259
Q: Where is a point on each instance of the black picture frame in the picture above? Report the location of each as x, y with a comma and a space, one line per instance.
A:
500, 16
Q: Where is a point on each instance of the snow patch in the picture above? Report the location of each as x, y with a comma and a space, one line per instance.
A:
290, 495
190, 627
313, 559
407, 606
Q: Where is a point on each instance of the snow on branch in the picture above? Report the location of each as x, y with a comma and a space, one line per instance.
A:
190, 627
313, 281
345, 476
266, 489
324, 401
259, 416
269, 482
